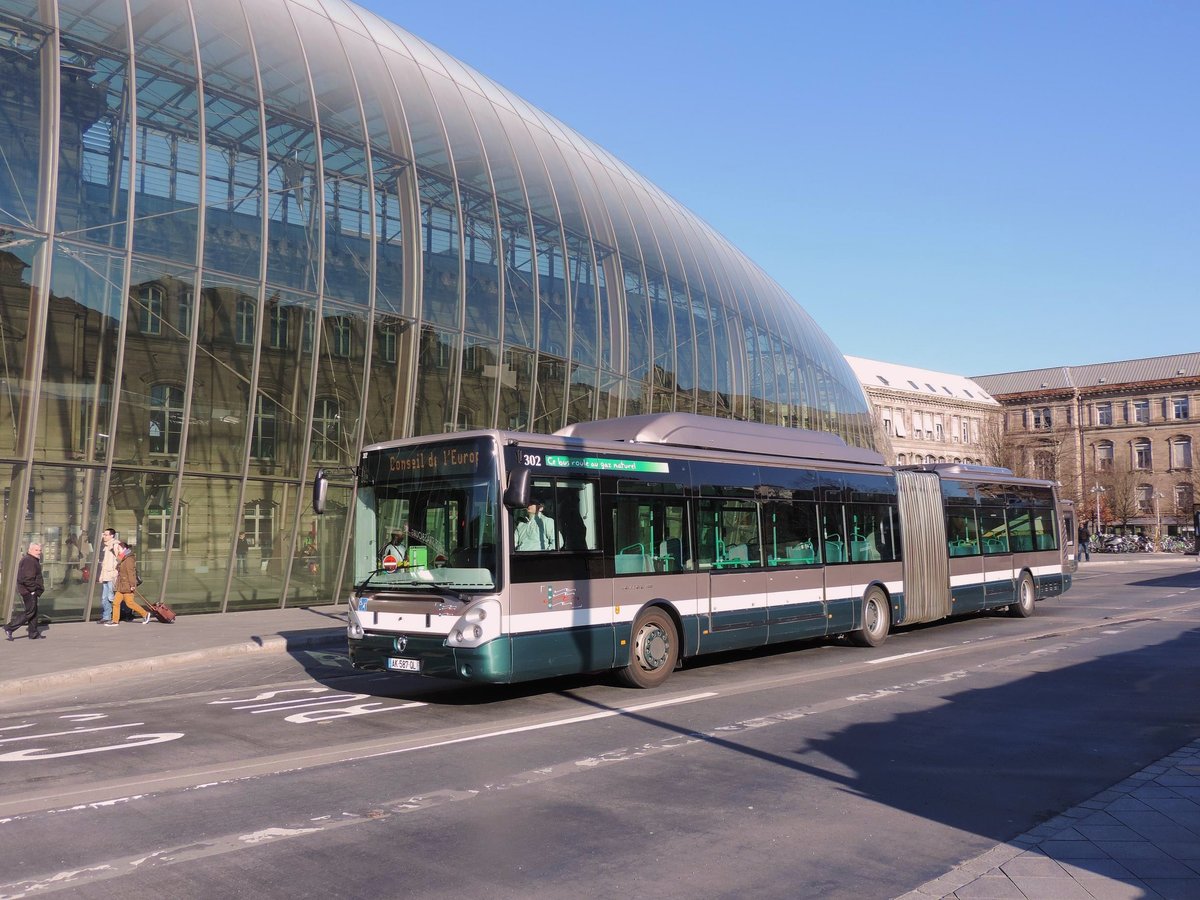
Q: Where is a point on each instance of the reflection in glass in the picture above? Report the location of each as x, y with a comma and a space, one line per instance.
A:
22, 44
439, 250
18, 303
435, 381
335, 430
477, 400
516, 389
285, 367
93, 158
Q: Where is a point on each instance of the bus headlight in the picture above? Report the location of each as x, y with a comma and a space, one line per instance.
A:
478, 625
354, 628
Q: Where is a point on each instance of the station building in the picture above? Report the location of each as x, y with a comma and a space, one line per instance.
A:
239, 240
922, 416
1119, 436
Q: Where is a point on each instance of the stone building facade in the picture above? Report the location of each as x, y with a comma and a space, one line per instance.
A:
928, 417
1120, 437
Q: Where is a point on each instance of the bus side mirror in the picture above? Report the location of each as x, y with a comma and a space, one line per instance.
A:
320, 489
516, 495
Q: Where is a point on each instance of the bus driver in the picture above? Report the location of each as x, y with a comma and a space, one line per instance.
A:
537, 531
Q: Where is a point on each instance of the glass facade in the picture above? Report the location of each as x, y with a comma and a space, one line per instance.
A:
238, 240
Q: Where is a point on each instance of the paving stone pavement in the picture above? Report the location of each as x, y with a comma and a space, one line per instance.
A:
1138, 839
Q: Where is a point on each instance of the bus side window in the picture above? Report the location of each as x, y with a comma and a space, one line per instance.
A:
993, 530
791, 530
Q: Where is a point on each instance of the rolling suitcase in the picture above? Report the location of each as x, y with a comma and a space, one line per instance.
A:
162, 612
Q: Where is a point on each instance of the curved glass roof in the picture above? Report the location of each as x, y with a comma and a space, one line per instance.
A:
330, 160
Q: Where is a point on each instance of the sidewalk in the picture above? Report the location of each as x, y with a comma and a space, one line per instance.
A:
77, 653
1140, 838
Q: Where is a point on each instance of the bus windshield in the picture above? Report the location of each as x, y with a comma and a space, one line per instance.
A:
427, 518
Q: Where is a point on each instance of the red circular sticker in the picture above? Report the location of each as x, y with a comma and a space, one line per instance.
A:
390, 563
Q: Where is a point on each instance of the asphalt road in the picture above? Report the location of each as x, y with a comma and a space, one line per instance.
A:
816, 770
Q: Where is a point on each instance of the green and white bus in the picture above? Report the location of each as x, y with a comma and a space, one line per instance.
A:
632, 544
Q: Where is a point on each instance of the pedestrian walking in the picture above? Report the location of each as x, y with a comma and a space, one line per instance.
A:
108, 573
243, 549
127, 582
1083, 552
30, 586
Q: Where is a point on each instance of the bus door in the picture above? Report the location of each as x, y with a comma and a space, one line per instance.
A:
998, 572
795, 579
965, 550
652, 557
560, 606
731, 552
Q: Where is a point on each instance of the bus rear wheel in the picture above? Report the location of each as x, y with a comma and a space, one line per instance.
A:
1023, 608
654, 650
876, 620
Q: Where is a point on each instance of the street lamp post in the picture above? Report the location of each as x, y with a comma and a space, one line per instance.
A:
1097, 490
1158, 495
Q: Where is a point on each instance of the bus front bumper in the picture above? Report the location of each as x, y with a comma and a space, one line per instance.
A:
491, 662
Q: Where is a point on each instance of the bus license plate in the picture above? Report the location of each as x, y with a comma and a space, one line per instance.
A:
397, 664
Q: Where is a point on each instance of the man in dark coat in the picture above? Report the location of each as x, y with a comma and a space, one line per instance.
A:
30, 586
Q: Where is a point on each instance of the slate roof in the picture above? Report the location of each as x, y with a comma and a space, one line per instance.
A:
1184, 366
925, 382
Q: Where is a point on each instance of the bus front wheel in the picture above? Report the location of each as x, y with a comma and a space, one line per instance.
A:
876, 620
1023, 608
654, 650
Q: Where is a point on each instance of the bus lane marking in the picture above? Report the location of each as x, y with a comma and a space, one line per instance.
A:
134, 740
40, 753
330, 705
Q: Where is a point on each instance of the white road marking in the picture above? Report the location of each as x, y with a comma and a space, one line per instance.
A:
573, 720
875, 662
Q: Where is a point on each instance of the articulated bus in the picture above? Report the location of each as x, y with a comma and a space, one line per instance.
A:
631, 544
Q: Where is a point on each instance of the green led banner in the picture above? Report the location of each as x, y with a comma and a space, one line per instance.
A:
600, 464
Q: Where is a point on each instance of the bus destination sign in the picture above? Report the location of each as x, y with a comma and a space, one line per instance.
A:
602, 464
424, 462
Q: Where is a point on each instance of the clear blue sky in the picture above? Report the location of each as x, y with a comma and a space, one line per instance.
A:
971, 187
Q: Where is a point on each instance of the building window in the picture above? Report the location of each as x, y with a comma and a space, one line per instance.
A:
1104, 456
1181, 453
258, 521
939, 433
1141, 411
387, 344
1142, 458
244, 322
342, 335
1145, 498
1041, 418
187, 303
1183, 499
279, 328
327, 433
307, 327
150, 309
166, 418
1043, 465
1181, 407
1103, 413
156, 526
266, 421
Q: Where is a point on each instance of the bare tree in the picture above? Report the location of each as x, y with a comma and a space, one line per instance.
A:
1120, 485
999, 449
